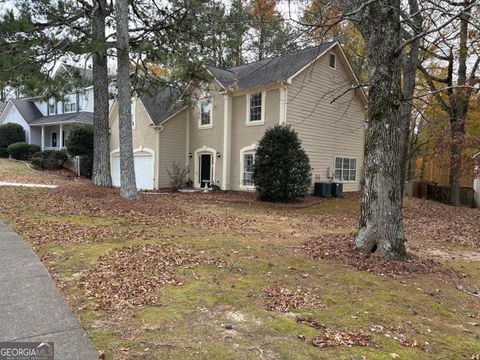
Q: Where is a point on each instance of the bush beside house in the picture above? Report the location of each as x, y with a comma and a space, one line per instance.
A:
49, 159
282, 170
22, 150
80, 143
10, 134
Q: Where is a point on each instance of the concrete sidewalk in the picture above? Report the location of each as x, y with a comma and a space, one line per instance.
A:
31, 306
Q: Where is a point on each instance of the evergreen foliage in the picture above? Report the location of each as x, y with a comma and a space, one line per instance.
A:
80, 143
282, 169
49, 159
80, 140
11, 133
22, 151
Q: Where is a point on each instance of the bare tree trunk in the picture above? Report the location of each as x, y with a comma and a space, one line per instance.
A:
409, 67
128, 187
381, 218
455, 173
101, 137
459, 101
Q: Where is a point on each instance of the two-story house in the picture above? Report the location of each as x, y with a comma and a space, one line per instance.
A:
47, 122
216, 132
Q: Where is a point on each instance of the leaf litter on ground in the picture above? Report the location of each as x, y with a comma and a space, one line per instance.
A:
132, 276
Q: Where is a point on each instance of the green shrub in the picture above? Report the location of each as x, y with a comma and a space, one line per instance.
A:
3, 153
39, 161
20, 151
49, 159
80, 140
282, 169
11, 133
34, 149
80, 143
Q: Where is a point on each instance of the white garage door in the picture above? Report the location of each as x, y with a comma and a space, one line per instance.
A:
143, 171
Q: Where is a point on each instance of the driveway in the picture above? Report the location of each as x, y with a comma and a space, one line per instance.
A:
31, 307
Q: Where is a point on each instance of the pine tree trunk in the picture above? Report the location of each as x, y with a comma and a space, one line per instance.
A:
381, 218
101, 137
128, 187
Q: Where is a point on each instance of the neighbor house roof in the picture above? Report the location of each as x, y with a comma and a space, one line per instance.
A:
30, 113
81, 116
163, 104
82, 71
267, 71
27, 109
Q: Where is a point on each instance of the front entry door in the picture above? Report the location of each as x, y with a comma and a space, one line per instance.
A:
205, 170
54, 139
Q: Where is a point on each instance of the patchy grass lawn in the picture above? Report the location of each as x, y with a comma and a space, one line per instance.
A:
17, 171
221, 276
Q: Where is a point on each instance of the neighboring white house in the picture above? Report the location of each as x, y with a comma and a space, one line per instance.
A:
47, 122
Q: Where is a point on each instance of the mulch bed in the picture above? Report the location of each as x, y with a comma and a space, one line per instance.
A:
341, 248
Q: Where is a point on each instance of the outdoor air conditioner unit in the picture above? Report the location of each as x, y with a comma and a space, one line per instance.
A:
337, 189
323, 189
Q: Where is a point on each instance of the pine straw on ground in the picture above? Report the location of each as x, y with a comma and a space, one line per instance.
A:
131, 276
341, 248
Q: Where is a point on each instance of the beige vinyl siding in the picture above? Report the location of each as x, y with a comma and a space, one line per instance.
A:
327, 129
142, 134
172, 147
243, 135
206, 137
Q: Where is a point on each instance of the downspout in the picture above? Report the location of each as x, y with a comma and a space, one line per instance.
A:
283, 103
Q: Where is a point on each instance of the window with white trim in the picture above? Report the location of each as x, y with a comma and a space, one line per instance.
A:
206, 107
51, 107
70, 103
256, 107
333, 61
247, 171
82, 99
345, 169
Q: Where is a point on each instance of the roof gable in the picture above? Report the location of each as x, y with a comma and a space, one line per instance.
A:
27, 109
163, 105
